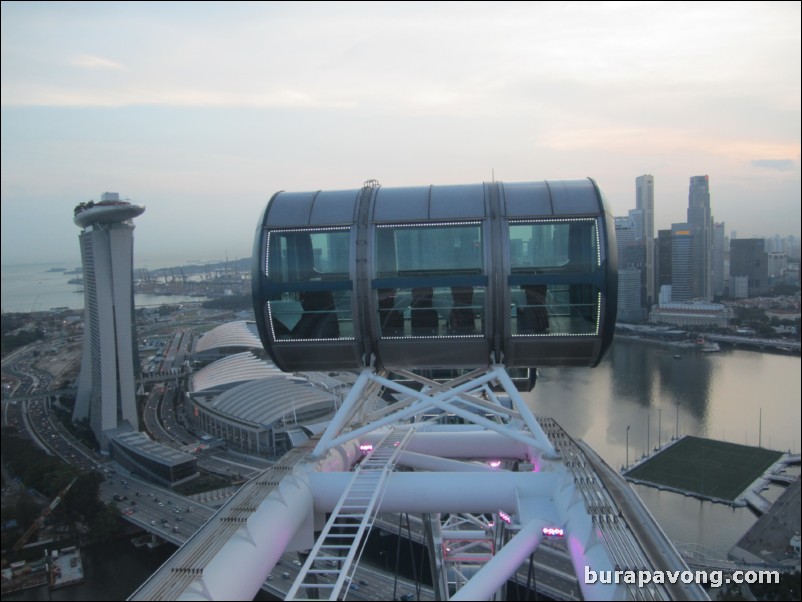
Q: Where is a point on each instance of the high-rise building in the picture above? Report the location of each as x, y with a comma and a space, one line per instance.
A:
775, 244
778, 262
635, 217
629, 301
701, 222
792, 247
748, 258
683, 263
644, 200
624, 235
106, 386
719, 252
631, 254
663, 257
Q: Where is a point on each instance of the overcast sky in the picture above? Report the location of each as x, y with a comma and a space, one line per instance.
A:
201, 110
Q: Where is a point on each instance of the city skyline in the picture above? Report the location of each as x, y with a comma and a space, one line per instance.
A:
203, 114
694, 262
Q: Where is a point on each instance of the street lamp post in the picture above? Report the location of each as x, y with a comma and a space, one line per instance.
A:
677, 433
659, 428
760, 429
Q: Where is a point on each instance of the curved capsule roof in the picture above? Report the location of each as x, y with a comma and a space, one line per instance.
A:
436, 276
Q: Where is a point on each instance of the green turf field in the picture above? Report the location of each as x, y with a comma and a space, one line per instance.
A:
712, 469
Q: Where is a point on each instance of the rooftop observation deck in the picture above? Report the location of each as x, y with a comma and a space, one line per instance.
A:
105, 212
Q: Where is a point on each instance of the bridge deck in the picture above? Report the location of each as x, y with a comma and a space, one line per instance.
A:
189, 561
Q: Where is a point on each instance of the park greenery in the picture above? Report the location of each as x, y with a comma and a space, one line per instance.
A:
44, 477
14, 334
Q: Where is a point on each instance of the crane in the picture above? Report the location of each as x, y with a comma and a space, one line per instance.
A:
41, 519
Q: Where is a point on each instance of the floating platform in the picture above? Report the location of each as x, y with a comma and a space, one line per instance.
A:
769, 540
66, 567
712, 470
22, 575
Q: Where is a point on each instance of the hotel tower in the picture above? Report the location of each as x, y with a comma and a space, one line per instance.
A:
106, 386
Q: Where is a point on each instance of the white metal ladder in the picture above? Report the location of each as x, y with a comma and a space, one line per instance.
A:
326, 569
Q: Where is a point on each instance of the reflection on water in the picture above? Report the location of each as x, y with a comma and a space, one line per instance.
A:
687, 381
690, 520
716, 395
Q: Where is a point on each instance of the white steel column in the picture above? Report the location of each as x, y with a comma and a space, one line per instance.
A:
344, 414
489, 579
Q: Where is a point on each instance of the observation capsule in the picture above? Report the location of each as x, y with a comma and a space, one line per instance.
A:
432, 277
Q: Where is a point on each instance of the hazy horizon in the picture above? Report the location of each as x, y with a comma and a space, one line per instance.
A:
201, 112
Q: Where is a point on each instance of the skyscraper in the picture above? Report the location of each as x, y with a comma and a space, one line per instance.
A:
701, 222
683, 262
663, 255
719, 251
631, 254
748, 258
644, 200
106, 386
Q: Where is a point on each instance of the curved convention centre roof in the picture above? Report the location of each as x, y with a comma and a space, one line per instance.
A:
241, 334
227, 372
265, 401
429, 277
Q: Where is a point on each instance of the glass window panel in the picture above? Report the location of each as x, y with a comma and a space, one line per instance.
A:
565, 246
304, 255
312, 315
554, 310
428, 250
298, 263
427, 311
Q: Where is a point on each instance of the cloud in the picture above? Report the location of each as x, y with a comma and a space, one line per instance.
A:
133, 95
778, 164
90, 61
